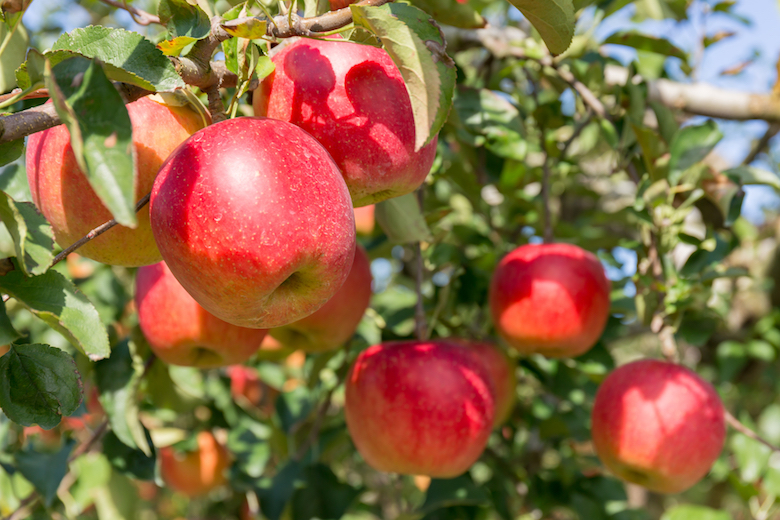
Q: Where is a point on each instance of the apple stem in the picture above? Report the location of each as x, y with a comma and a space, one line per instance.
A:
744, 430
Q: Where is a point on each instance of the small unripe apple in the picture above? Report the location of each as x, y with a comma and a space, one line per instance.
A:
419, 407
658, 424
254, 219
198, 472
335, 322
551, 299
180, 331
63, 194
352, 99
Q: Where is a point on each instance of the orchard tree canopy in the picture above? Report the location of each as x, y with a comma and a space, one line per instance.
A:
411, 259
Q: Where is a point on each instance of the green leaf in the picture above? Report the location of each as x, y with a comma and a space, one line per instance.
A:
491, 121
417, 47
29, 75
55, 300
751, 175
554, 19
118, 379
126, 56
128, 460
7, 331
452, 12
401, 220
101, 133
186, 23
323, 496
693, 512
44, 470
690, 145
646, 43
11, 151
250, 28
459, 491
274, 493
751, 457
38, 385
32, 235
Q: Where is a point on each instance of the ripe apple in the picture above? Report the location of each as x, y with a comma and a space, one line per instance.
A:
180, 331
501, 373
352, 98
254, 219
551, 299
62, 193
658, 424
247, 388
198, 472
419, 407
364, 220
335, 322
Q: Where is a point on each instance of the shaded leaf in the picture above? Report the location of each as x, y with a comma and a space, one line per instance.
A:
646, 43
554, 19
452, 12
186, 23
752, 175
32, 235
7, 331
274, 493
401, 220
323, 496
459, 491
44, 470
690, 145
11, 151
128, 460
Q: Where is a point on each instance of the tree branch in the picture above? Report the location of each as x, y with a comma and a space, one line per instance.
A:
741, 428
139, 16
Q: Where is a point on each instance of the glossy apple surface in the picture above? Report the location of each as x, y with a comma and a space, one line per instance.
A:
198, 472
420, 408
180, 331
63, 195
254, 219
335, 322
352, 98
658, 425
551, 299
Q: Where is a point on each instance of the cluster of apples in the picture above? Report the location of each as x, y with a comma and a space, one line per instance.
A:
254, 219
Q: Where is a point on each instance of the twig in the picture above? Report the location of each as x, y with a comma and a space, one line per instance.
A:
575, 134
419, 310
548, 225
315, 428
35, 94
96, 435
102, 228
139, 16
23, 505
741, 428
761, 144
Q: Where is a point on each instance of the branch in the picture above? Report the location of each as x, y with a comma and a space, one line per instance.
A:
741, 428
548, 225
761, 144
280, 26
140, 17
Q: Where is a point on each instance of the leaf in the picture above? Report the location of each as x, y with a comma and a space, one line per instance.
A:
751, 457
274, 493
186, 23
402, 220
452, 12
459, 491
752, 175
690, 145
44, 470
101, 133
646, 43
417, 47
118, 379
11, 151
131, 461
32, 235
250, 28
7, 331
323, 496
554, 19
38, 385
56, 301
126, 56
693, 512
491, 121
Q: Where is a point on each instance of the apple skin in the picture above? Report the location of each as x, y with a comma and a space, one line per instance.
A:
365, 220
254, 219
63, 195
198, 472
419, 407
501, 372
180, 331
551, 299
335, 322
658, 425
352, 99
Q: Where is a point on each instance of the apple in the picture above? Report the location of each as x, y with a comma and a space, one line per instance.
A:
501, 372
419, 407
364, 220
335, 322
551, 299
247, 389
253, 218
180, 331
352, 98
658, 424
198, 472
64, 196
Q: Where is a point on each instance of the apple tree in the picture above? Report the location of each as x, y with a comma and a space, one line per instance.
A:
541, 199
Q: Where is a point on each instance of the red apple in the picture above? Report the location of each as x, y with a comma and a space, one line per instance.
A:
335, 322
658, 424
419, 407
501, 373
551, 299
352, 98
180, 331
254, 219
246, 387
62, 193
364, 220
198, 472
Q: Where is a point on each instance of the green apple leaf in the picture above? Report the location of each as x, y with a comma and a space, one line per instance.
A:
323, 495
44, 470
7, 331
54, 299
690, 145
452, 12
401, 220
694, 512
554, 19
274, 493
101, 133
753, 175
417, 47
131, 461
118, 379
186, 23
250, 28
32, 235
646, 43
491, 121
457, 491
38, 385
29, 75
126, 56
11, 151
